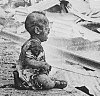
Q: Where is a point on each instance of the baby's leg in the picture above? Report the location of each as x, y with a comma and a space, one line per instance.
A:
19, 83
45, 81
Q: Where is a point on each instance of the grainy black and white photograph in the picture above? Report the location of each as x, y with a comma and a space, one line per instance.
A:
49, 47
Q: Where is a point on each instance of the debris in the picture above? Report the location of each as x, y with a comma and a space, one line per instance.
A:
84, 89
12, 20
43, 5
92, 26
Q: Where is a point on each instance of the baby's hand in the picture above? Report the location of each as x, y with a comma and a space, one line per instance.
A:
47, 67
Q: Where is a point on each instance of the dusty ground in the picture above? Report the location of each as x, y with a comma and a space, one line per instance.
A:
8, 57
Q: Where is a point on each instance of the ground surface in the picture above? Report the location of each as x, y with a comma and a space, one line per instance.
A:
76, 75
8, 57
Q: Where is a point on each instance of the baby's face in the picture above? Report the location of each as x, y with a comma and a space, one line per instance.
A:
44, 34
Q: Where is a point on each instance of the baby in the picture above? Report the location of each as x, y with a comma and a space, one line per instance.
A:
32, 67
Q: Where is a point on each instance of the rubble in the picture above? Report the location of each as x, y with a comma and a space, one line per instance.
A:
6, 76
67, 31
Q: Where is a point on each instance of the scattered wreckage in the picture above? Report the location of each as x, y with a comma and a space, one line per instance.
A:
77, 64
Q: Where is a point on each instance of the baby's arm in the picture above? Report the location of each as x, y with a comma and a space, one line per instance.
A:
37, 64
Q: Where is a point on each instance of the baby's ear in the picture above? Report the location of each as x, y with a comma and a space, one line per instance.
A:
37, 30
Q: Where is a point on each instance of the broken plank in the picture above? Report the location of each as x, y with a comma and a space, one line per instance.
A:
84, 61
43, 5
87, 34
60, 51
84, 17
13, 37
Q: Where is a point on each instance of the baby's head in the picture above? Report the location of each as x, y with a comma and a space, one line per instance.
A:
37, 25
